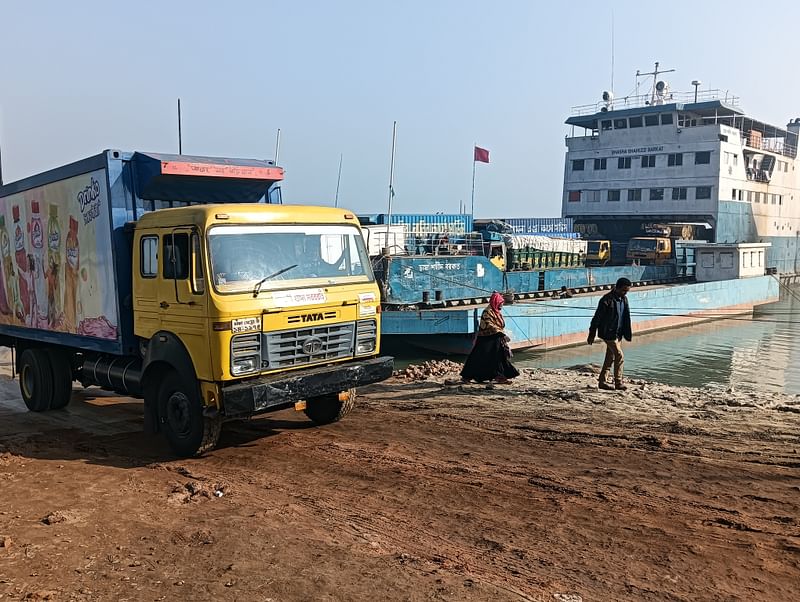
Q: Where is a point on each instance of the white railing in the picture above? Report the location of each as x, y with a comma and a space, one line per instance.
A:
646, 100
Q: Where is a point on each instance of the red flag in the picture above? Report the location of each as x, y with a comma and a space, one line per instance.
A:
481, 154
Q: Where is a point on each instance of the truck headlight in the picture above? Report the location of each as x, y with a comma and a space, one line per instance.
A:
365, 347
366, 336
245, 354
243, 366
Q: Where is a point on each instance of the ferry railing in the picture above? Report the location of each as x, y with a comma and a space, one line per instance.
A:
646, 100
774, 145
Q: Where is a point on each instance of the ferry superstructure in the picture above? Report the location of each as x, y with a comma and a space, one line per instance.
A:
693, 158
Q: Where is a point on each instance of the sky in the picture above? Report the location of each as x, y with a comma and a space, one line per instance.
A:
80, 77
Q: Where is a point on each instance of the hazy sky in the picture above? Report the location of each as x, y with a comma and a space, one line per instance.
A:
78, 77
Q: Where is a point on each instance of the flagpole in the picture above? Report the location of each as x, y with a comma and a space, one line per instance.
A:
473, 181
391, 183
277, 145
338, 179
180, 137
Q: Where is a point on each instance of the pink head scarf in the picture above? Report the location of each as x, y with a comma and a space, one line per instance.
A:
496, 301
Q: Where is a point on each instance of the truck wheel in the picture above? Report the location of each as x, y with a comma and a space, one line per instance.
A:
62, 378
326, 409
36, 380
188, 431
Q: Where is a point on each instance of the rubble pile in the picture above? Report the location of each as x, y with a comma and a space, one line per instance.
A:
429, 369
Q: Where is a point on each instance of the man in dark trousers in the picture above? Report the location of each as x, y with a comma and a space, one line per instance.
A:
612, 323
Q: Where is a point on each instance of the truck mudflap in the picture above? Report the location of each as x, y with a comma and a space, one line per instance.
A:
266, 393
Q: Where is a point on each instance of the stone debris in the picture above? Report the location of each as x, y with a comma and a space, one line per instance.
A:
429, 369
54, 518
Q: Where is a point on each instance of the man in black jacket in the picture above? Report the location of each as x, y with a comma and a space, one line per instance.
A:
612, 322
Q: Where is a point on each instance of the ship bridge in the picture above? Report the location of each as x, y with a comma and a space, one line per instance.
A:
685, 110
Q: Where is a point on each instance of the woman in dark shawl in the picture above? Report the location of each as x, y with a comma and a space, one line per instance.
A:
488, 359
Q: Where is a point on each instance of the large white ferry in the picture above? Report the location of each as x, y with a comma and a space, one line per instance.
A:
694, 159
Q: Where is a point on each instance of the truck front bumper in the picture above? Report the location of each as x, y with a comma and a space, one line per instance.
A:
273, 392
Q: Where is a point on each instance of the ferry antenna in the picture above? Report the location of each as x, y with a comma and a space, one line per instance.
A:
655, 73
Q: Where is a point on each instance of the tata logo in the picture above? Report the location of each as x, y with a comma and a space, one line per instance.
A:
312, 317
312, 345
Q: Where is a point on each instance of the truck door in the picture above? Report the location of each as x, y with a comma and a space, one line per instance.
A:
147, 319
181, 289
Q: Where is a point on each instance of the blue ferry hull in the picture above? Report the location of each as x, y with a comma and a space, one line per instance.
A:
551, 323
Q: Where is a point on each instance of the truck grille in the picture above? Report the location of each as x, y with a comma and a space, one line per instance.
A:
306, 346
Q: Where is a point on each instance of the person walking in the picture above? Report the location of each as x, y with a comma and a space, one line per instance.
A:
489, 358
612, 322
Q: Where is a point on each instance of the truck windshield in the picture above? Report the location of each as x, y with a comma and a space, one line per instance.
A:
593, 247
642, 244
285, 256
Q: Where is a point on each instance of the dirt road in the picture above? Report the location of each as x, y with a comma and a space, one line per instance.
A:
543, 490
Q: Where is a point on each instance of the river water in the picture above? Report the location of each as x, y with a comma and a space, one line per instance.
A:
762, 353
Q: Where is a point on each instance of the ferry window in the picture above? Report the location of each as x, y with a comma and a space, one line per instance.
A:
635, 194
620, 124
574, 196
679, 194
666, 118
605, 124
176, 256
749, 196
613, 195
656, 194
702, 158
723, 137
736, 159
733, 195
741, 195
636, 122
577, 165
758, 196
702, 192
651, 120
592, 196
774, 199
780, 199
148, 259
599, 163
648, 160
624, 163
675, 159
761, 259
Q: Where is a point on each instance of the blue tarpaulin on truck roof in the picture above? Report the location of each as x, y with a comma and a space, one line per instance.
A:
203, 179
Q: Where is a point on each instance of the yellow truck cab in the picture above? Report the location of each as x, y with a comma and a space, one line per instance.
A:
265, 305
598, 252
183, 281
649, 250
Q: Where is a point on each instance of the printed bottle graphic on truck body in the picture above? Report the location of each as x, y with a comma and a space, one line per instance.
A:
71, 278
38, 274
23, 268
9, 277
53, 270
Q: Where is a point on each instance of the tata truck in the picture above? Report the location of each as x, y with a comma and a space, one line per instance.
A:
180, 281
649, 250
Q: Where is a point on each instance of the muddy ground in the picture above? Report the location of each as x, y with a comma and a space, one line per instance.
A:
546, 489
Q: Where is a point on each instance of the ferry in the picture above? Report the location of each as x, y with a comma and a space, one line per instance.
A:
691, 170
693, 159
